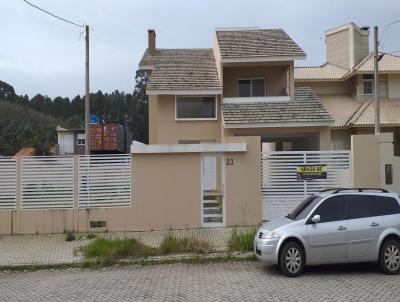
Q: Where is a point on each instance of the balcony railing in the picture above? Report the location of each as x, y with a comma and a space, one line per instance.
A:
266, 99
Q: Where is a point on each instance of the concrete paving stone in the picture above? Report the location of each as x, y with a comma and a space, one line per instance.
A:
229, 281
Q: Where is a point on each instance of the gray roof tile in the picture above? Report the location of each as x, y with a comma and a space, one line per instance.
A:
305, 107
257, 43
182, 69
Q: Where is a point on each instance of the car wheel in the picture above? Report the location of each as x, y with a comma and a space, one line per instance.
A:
389, 257
291, 259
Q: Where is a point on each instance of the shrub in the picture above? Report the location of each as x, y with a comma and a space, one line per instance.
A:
70, 236
91, 236
241, 241
173, 245
109, 250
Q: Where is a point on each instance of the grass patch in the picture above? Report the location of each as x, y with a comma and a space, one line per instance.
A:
241, 241
173, 245
110, 250
91, 236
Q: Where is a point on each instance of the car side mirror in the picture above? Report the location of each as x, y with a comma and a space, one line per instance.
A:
316, 219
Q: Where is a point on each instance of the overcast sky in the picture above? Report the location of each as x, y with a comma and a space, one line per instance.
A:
39, 54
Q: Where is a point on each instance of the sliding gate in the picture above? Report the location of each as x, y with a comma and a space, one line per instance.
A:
282, 191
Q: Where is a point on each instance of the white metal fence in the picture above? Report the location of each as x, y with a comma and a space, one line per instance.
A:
47, 182
8, 174
281, 191
104, 181
54, 182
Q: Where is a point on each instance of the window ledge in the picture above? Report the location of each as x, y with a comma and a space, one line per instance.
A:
256, 99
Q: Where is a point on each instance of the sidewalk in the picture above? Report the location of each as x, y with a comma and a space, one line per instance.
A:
53, 249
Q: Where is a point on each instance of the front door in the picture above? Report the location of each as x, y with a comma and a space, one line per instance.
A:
212, 189
327, 240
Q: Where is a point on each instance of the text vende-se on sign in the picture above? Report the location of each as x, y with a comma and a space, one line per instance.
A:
308, 172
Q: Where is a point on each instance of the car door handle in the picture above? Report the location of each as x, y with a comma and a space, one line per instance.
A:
341, 228
374, 224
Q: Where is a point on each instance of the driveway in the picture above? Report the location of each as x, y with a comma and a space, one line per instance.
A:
230, 281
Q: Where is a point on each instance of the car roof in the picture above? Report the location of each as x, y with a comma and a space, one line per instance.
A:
358, 191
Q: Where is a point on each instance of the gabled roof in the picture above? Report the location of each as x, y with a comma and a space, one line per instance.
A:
181, 69
389, 114
306, 108
342, 107
387, 63
326, 71
256, 43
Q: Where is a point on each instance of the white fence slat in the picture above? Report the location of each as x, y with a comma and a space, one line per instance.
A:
8, 182
47, 182
281, 191
105, 181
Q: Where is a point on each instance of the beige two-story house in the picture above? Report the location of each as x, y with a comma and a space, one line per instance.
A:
345, 85
243, 86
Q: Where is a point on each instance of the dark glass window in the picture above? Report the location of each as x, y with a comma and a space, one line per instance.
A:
251, 87
386, 205
361, 206
304, 208
332, 209
195, 107
389, 174
244, 88
258, 87
368, 81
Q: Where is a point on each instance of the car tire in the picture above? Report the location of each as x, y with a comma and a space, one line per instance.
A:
291, 259
389, 257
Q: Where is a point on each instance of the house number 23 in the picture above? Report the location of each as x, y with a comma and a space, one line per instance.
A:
229, 161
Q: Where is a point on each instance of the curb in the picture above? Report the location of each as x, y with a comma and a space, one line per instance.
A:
157, 260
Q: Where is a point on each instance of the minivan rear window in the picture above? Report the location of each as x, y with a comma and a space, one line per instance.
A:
387, 205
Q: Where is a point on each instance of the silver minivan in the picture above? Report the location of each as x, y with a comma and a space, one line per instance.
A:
334, 226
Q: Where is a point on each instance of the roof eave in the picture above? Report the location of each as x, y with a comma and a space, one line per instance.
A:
183, 91
253, 59
279, 125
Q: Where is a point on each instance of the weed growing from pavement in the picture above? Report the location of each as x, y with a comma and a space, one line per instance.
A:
174, 245
110, 250
241, 241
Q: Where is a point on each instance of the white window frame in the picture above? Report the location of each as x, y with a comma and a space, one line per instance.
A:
363, 82
251, 86
193, 118
80, 139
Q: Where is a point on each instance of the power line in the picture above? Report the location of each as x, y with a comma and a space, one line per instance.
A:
51, 14
384, 30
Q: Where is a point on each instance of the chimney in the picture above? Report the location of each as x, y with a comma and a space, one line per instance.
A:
347, 45
152, 42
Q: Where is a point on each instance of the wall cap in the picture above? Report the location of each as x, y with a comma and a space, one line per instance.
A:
138, 148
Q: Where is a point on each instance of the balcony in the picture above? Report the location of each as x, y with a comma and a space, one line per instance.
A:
266, 99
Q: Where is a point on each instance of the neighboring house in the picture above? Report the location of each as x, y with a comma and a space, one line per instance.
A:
70, 141
243, 86
345, 85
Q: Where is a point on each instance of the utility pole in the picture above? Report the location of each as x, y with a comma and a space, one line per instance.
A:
376, 82
87, 95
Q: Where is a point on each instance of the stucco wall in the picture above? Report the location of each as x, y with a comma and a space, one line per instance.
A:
394, 86
164, 129
243, 183
275, 75
383, 87
365, 161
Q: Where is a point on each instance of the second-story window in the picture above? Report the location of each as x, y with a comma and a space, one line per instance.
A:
252, 87
368, 84
196, 107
